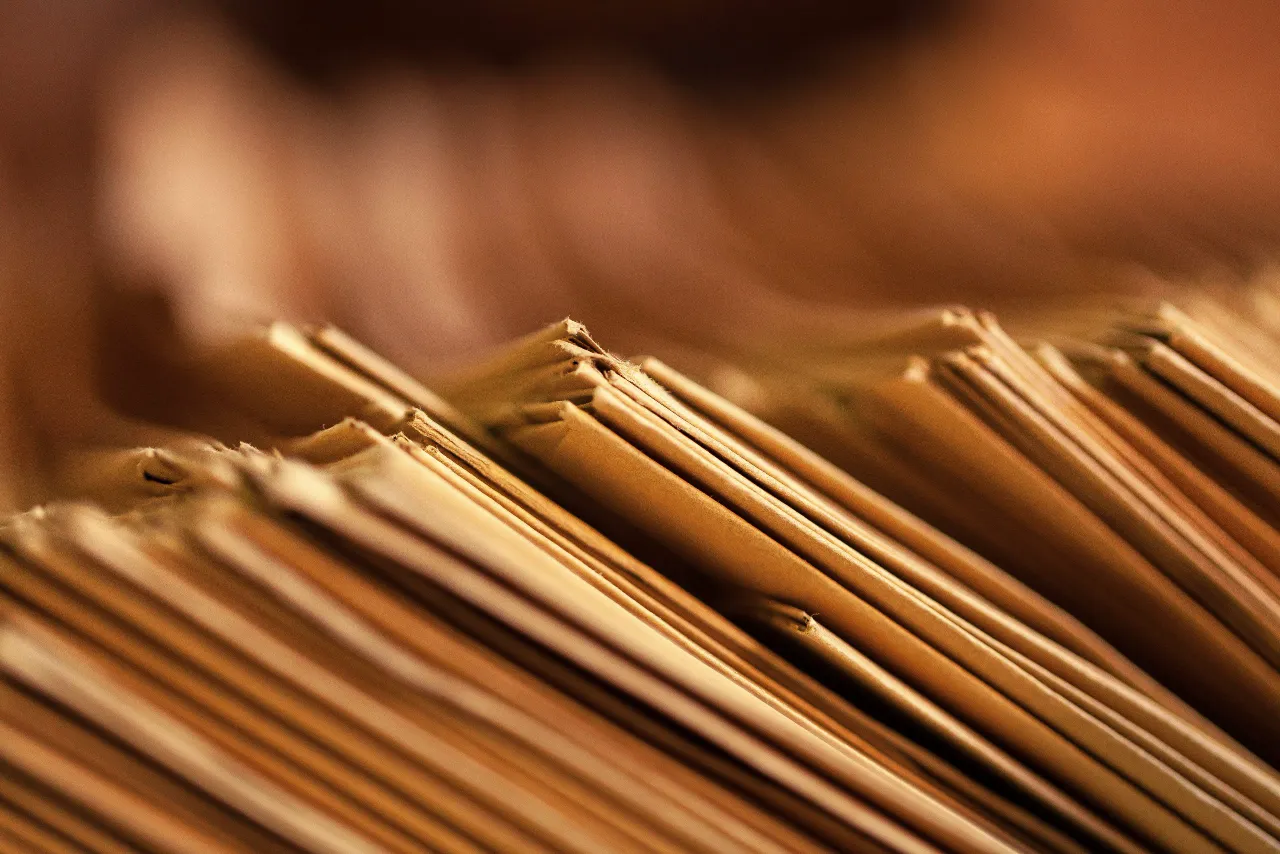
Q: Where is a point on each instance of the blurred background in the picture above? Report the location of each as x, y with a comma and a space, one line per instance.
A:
436, 178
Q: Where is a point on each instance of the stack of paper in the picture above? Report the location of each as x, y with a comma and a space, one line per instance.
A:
589, 605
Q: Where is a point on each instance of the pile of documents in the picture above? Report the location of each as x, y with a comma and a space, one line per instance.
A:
945, 587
